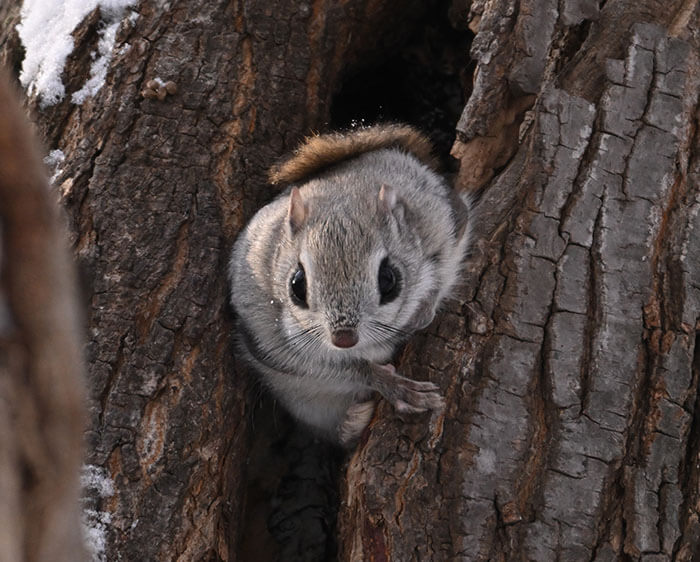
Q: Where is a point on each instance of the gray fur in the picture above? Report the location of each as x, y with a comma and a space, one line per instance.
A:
347, 230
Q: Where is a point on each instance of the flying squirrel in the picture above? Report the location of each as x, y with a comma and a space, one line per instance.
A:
338, 271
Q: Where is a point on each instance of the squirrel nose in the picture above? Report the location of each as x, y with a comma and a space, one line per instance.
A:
344, 337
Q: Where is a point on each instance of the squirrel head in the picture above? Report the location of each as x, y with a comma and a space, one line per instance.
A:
345, 276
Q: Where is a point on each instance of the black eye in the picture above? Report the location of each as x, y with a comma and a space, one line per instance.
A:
389, 282
297, 287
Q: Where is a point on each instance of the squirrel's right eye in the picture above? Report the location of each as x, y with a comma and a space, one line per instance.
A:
389, 282
297, 287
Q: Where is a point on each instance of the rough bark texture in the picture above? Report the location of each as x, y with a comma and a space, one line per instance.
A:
570, 364
41, 375
571, 369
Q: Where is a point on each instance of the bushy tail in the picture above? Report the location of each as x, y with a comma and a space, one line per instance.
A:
322, 151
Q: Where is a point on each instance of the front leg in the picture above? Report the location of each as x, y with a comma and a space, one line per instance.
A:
406, 395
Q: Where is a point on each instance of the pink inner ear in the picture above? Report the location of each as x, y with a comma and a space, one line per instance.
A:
297, 209
387, 197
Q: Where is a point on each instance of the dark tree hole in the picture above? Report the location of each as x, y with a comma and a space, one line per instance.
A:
424, 83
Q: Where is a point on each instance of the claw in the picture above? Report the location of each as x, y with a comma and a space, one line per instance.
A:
406, 408
407, 395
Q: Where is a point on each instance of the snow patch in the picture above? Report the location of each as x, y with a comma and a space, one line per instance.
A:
96, 485
45, 31
95, 525
95, 478
54, 160
98, 69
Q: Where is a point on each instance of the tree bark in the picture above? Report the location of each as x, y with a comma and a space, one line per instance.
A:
569, 362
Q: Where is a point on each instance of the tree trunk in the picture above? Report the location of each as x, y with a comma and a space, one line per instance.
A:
569, 363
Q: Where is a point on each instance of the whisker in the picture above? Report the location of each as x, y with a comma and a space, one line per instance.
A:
385, 335
293, 343
308, 347
389, 329
311, 339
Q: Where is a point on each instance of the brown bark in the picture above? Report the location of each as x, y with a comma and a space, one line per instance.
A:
570, 363
41, 382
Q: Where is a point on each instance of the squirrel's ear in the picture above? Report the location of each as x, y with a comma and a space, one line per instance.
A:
387, 198
297, 210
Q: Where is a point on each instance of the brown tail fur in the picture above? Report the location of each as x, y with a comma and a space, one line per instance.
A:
322, 151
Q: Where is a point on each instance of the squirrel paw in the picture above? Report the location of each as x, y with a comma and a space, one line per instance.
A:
357, 418
408, 395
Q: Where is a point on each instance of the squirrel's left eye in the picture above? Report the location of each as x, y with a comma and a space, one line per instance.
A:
297, 286
389, 281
